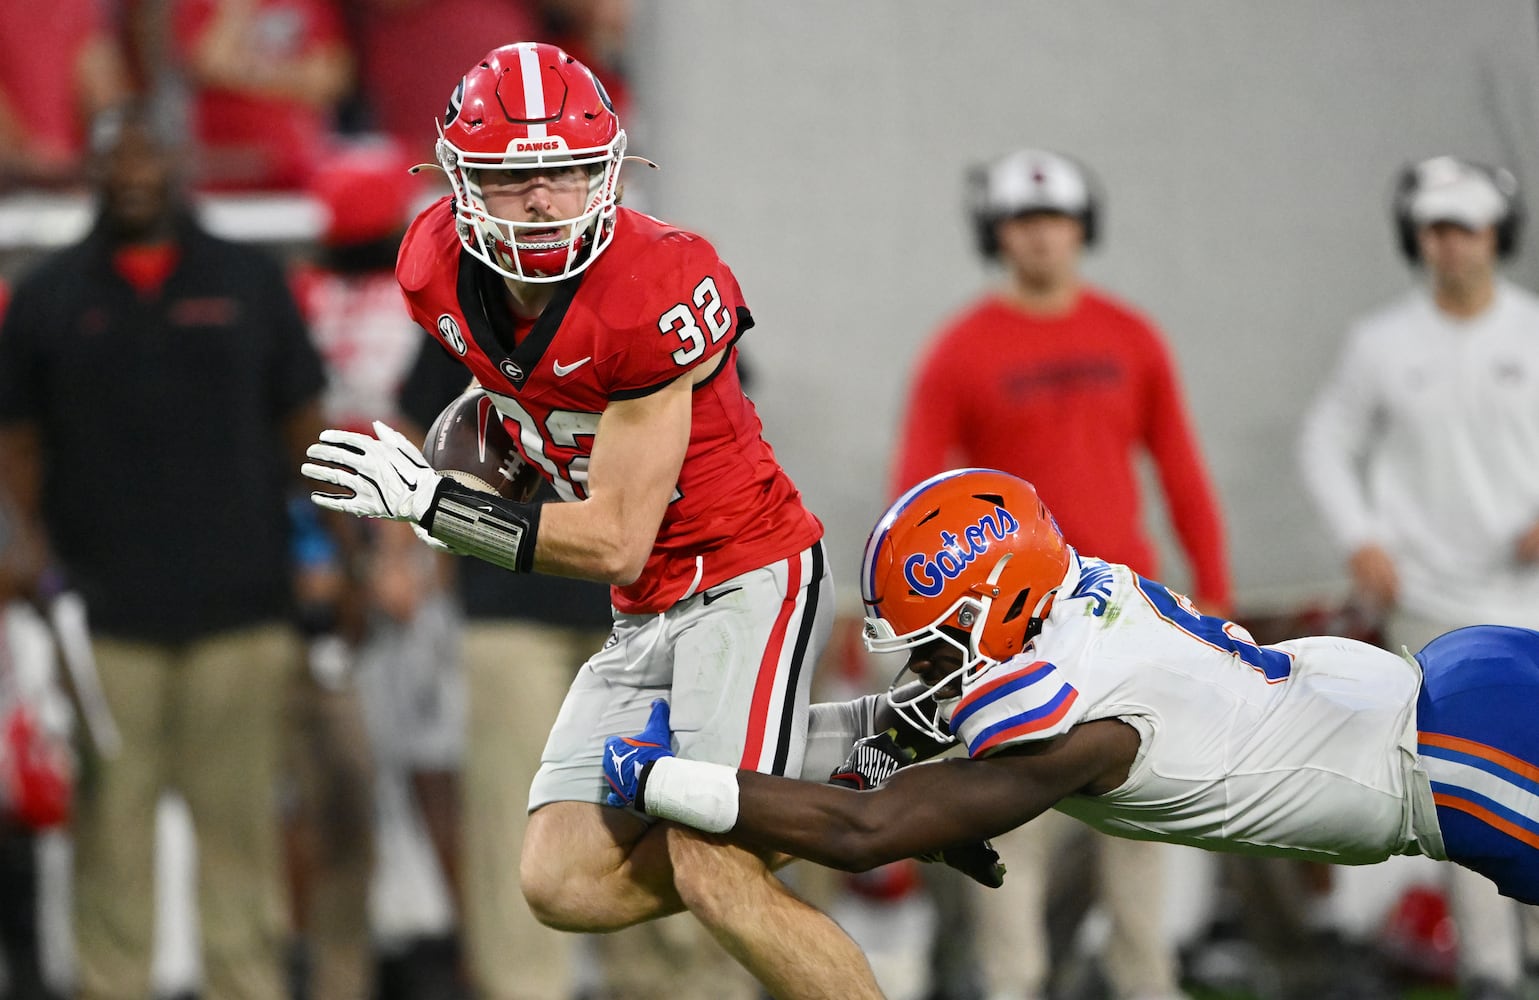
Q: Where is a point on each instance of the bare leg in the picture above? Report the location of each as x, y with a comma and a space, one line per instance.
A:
797, 952
589, 868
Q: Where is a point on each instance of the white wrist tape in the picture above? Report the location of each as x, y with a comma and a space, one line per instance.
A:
692, 792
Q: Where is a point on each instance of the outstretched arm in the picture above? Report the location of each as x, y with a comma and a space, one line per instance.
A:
930, 806
923, 808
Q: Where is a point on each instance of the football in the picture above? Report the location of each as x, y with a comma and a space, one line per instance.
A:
469, 443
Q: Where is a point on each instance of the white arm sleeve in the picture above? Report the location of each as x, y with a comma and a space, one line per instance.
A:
1338, 431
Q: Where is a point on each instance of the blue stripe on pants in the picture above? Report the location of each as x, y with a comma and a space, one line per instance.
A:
1478, 719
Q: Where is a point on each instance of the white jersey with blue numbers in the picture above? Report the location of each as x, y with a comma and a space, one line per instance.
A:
1305, 748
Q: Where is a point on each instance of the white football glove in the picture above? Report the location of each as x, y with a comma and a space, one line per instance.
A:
431, 542
387, 474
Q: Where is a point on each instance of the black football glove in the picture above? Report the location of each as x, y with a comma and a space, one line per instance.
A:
871, 762
977, 860
877, 758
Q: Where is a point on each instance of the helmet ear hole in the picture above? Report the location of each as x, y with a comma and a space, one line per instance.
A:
1017, 606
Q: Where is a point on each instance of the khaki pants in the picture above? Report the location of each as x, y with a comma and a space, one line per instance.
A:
330, 772
516, 675
203, 718
1013, 942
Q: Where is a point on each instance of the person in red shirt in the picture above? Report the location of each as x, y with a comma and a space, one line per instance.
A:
408, 48
606, 339
1057, 382
49, 93
267, 75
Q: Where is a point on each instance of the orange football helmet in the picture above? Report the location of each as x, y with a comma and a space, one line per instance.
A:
975, 551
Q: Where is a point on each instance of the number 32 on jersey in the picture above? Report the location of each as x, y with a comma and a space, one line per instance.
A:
685, 322
574, 431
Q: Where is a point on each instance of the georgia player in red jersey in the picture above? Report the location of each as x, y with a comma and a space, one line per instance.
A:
605, 338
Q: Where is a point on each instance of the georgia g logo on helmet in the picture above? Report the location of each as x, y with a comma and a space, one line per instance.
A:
455, 100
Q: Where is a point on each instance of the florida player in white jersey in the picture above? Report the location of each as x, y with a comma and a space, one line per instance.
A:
605, 339
1076, 684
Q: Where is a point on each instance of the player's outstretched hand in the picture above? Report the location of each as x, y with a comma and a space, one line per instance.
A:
386, 474
628, 759
877, 758
977, 860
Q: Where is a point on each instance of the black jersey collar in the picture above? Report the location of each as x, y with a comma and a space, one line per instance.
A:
481, 298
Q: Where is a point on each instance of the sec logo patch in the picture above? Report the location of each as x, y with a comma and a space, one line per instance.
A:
449, 330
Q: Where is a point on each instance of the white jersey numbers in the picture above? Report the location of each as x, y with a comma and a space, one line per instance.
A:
684, 322
563, 428
1273, 664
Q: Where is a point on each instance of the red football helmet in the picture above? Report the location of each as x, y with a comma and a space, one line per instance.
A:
524, 106
973, 550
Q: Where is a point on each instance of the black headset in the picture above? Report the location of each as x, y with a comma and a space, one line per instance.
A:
986, 215
1509, 228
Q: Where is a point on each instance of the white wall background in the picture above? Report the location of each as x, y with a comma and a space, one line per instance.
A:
1247, 150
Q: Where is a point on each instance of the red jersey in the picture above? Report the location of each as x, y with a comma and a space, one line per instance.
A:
40, 46
654, 305
249, 138
1066, 402
367, 340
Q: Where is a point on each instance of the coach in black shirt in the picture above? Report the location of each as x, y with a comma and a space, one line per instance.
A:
152, 381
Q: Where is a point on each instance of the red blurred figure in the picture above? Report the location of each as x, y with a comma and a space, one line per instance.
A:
267, 75
351, 299
49, 92
366, 190
1419, 935
36, 774
412, 51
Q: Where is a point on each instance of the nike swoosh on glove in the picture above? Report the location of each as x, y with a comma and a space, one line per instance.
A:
628, 759
386, 473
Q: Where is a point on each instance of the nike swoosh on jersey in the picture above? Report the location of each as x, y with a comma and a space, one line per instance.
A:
562, 370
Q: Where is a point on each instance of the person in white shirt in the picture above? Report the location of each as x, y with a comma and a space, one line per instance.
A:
1422, 454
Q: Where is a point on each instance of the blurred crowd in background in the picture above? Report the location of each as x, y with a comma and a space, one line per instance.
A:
262, 88
413, 711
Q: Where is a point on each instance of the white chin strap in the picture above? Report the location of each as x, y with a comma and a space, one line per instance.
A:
986, 604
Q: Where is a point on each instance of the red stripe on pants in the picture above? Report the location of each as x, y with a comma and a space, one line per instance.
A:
764, 687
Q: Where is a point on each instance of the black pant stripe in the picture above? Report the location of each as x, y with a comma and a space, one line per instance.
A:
810, 611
